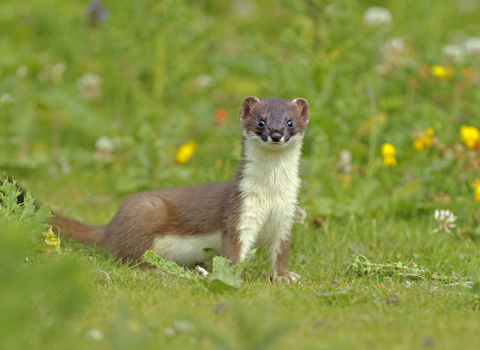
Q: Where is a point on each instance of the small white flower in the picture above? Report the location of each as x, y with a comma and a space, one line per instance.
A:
446, 220
52, 74
331, 10
395, 54
104, 144
466, 6
204, 80
57, 72
6, 98
105, 148
95, 334
472, 46
201, 271
169, 332
179, 327
22, 71
344, 165
89, 85
183, 326
393, 46
244, 8
377, 16
65, 164
453, 53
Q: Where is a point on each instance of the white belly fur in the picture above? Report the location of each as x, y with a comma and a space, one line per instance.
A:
187, 249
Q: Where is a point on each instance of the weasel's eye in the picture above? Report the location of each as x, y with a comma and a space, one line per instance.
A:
290, 124
261, 122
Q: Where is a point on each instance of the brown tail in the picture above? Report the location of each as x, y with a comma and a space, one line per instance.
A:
78, 231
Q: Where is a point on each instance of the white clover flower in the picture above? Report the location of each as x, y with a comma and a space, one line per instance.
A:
105, 144
183, 326
446, 220
22, 71
89, 85
179, 327
466, 6
377, 16
95, 334
395, 54
169, 332
65, 164
204, 80
104, 149
344, 165
57, 71
393, 46
472, 46
53, 74
6, 98
244, 8
453, 53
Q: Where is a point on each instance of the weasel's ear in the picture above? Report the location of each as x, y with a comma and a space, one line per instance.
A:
247, 106
301, 106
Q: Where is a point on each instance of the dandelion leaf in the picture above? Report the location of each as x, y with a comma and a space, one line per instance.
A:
361, 266
223, 277
171, 267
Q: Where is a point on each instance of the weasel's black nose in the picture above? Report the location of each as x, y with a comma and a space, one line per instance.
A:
276, 136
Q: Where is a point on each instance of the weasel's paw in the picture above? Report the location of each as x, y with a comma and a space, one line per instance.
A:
288, 277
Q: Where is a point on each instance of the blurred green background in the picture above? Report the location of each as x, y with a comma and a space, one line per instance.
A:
116, 87
97, 97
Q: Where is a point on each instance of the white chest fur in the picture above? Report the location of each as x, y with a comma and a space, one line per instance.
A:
269, 188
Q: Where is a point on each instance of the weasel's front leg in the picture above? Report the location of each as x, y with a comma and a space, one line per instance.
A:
240, 235
279, 251
237, 243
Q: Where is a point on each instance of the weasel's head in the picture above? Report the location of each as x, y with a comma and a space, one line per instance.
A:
273, 121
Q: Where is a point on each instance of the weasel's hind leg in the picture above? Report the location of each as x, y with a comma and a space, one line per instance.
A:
141, 218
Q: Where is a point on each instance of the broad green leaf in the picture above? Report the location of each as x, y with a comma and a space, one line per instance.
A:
171, 267
223, 277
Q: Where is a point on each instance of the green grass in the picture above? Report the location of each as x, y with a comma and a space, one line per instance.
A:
166, 68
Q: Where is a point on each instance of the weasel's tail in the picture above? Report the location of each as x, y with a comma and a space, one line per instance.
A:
77, 230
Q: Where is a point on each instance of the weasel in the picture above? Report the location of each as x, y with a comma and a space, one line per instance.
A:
256, 208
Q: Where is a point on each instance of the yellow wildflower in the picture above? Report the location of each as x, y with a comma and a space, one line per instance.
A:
441, 72
388, 149
427, 141
185, 152
389, 161
388, 153
423, 139
345, 178
52, 243
418, 144
477, 191
469, 135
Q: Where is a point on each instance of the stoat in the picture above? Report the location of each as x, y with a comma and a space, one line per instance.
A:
256, 208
